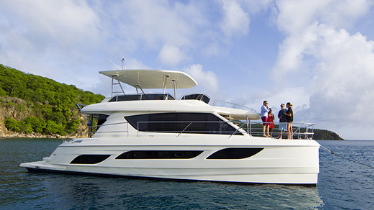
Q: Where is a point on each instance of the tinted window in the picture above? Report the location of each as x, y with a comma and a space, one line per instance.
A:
89, 159
125, 98
235, 153
178, 122
101, 119
199, 97
163, 154
141, 97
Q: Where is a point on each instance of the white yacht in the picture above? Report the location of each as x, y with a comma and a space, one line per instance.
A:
157, 136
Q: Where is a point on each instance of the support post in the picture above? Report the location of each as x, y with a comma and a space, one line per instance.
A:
175, 89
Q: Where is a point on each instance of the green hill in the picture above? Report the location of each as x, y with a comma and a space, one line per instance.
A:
35, 104
320, 134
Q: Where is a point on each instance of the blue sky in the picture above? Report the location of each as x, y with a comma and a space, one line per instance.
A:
319, 54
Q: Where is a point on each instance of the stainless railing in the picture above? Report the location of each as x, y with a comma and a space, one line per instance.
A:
230, 105
299, 130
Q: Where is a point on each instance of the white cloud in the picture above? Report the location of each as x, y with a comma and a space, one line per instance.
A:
132, 63
171, 55
292, 52
45, 37
60, 35
74, 34
256, 6
156, 22
334, 66
294, 16
205, 79
212, 50
342, 75
65, 23
236, 21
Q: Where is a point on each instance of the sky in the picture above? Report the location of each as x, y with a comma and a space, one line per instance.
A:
318, 55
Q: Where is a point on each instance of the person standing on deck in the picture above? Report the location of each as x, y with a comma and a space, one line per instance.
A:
264, 117
289, 117
282, 120
270, 122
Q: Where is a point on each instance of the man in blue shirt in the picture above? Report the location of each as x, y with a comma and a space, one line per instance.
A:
282, 120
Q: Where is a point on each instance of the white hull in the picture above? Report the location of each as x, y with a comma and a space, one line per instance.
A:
281, 161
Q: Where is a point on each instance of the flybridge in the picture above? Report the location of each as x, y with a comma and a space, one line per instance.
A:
150, 79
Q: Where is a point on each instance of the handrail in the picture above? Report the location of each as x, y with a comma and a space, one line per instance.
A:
234, 104
185, 129
80, 107
301, 129
236, 130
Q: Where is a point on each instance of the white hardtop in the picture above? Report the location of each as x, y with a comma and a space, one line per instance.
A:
160, 79
152, 79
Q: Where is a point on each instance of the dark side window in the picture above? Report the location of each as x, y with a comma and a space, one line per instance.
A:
141, 97
199, 97
89, 159
162, 154
177, 122
235, 153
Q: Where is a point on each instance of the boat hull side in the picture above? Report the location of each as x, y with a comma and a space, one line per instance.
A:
277, 165
293, 179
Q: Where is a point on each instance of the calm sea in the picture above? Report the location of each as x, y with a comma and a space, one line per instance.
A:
342, 185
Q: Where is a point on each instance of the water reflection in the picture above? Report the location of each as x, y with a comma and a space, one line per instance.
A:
71, 191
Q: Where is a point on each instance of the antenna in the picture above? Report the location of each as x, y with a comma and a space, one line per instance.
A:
115, 64
115, 77
123, 63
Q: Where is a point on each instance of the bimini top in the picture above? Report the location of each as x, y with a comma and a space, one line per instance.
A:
152, 79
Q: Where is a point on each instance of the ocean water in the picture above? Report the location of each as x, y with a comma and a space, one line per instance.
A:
343, 184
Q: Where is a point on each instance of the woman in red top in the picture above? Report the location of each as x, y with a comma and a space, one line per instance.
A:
270, 122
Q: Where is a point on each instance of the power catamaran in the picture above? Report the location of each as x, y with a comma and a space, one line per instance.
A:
157, 136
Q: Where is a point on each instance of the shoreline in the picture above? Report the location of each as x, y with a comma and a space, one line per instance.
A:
35, 136
57, 136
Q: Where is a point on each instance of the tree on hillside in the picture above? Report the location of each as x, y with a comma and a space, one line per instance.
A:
52, 104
